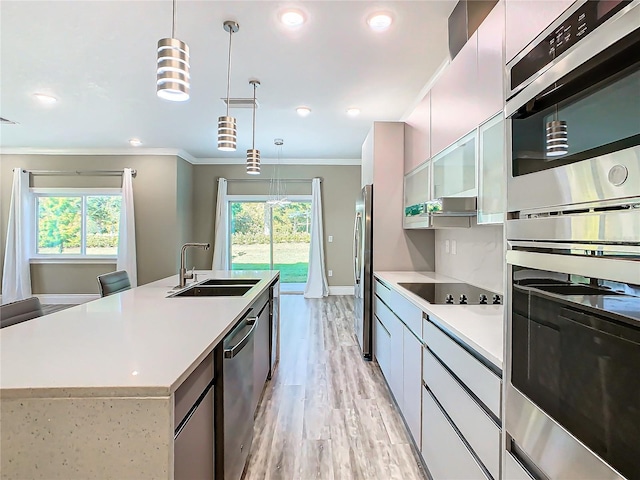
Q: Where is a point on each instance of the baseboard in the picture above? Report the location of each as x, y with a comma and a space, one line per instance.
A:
341, 290
62, 298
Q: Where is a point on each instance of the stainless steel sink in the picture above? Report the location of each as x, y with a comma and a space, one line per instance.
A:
230, 281
214, 291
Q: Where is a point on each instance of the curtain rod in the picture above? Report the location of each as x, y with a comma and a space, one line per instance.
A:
255, 180
80, 172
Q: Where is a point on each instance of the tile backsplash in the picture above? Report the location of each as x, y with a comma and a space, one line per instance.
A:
475, 255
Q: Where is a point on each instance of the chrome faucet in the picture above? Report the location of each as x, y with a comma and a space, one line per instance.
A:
184, 275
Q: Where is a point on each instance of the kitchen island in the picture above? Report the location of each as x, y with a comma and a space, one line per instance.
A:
88, 392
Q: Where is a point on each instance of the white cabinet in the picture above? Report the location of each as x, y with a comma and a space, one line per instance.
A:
526, 19
453, 98
412, 383
398, 351
478, 429
513, 470
443, 450
394, 362
491, 63
453, 170
491, 170
417, 135
382, 346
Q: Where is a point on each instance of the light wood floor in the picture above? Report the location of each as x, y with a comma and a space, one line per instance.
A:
327, 413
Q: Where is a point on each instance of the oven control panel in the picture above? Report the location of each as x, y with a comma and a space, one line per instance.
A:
583, 21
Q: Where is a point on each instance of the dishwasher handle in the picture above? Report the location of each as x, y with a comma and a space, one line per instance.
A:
233, 351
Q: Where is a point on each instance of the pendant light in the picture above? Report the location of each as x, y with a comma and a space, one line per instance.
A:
172, 74
227, 133
557, 137
277, 188
253, 155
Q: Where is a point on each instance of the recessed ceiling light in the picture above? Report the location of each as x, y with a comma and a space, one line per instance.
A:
292, 18
135, 142
45, 99
353, 111
303, 111
379, 21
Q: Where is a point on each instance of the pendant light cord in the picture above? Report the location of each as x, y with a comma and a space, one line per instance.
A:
253, 141
173, 22
229, 69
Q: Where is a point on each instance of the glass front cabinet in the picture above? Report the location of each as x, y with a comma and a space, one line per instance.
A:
491, 170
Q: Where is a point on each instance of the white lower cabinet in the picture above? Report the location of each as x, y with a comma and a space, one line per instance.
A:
394, 365
482, 434
513, 470
412, 383
382, 348
444, 452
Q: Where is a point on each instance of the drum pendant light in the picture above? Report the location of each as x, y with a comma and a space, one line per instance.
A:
172, 74
227, 133
557, 137
253, 155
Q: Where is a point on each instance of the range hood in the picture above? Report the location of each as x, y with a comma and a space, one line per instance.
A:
446, 212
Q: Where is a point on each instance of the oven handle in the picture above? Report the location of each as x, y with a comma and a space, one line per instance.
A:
626, 271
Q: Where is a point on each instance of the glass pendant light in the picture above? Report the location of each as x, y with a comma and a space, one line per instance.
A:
227, 132
277, 186
172, 74
253, 155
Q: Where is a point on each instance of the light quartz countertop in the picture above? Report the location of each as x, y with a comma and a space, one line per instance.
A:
135, 343
481, 327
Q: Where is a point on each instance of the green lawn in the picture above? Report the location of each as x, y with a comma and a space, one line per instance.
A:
292, 259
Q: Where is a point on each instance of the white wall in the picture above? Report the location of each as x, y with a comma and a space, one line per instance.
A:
479, 257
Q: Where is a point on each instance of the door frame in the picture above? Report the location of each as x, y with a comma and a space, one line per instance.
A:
256, 199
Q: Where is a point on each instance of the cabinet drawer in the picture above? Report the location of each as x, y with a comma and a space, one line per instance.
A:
443, 451
475, 425
382, 347
478, 378
410, 315
394, 327
189, 391
383, 291
513, 470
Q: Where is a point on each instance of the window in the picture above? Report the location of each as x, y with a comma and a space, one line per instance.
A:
77, 223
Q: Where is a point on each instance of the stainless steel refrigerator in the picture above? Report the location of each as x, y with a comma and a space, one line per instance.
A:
363, 270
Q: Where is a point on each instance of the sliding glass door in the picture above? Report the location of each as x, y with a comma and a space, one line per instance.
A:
264, 237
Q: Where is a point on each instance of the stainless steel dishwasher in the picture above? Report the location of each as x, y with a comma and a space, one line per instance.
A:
233, 415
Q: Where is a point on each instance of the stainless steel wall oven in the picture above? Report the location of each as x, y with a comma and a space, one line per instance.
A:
572, 395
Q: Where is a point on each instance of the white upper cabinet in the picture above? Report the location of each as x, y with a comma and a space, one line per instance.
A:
453, 98
491, 171
526, 19
491, 64
417, 135
367, 160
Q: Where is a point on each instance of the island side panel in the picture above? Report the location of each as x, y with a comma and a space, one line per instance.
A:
79, 438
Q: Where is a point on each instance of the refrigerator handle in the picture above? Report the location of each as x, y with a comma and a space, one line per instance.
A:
356, 247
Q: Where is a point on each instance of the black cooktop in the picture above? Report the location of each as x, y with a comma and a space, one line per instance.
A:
453, 293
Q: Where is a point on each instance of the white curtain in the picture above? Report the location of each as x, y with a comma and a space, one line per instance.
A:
127, 231
317, 286
221, 243
16, 275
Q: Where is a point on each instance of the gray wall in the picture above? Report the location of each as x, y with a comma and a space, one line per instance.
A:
162, 198
340, 188
174, 204
479, 258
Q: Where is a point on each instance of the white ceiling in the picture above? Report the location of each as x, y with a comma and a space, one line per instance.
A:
98, 58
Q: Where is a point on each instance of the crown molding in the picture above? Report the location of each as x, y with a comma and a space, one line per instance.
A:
175, 152
282, 161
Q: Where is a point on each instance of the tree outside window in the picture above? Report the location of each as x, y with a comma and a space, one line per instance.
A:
78, 225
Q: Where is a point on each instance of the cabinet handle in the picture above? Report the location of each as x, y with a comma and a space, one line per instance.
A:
192, 410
